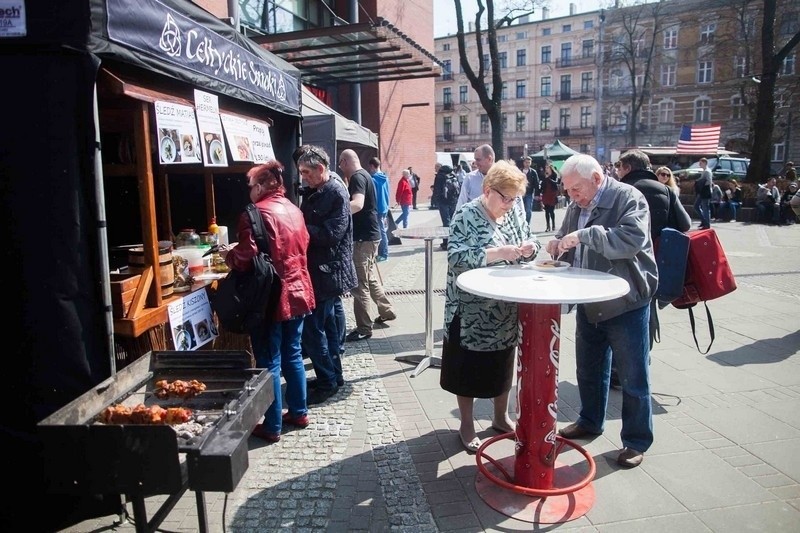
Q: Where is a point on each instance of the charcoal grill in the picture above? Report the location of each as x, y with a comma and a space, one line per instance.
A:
85, 456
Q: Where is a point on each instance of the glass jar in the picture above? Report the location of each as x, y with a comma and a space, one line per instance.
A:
187, 237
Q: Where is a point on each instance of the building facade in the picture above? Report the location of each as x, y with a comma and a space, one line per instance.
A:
606, 80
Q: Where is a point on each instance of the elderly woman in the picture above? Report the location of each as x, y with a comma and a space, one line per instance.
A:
481, 334
276, 343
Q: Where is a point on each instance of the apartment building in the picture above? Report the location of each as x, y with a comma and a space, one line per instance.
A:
606, 80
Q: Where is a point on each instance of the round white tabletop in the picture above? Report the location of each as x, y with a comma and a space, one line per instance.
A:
523, 284
423, 232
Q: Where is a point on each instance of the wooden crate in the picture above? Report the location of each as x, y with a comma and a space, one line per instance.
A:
123, 288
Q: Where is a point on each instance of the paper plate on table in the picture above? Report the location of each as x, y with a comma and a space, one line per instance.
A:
549, 265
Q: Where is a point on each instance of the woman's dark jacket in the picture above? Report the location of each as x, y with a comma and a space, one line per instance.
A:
330, 251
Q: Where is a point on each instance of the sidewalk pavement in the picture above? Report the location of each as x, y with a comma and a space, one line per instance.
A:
384, 454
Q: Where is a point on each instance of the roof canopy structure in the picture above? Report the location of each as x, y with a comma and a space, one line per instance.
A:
353, 53
555, 151
316, 114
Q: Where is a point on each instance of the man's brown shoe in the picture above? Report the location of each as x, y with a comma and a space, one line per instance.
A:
630, 458
574, 431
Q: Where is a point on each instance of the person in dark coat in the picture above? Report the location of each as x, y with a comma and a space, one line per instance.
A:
326, 211
447, 206
531, 187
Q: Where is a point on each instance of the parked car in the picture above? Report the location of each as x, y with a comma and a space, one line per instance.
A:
722, 168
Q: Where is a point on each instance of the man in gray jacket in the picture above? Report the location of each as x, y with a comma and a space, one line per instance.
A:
607, 228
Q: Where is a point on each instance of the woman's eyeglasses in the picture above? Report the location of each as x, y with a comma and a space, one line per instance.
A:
506, 199
663, 174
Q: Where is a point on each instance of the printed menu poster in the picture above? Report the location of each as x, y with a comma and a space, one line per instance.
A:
237, 132
13, 20
260, 141
178, 141
191, 321
211, 138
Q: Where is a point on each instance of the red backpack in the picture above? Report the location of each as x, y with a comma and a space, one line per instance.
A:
708, 276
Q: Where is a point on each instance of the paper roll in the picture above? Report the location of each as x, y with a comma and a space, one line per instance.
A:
222, 235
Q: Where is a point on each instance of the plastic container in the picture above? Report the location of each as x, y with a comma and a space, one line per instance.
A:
187, 237
194, 256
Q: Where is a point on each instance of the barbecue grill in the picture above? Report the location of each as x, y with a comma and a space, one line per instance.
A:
84, 456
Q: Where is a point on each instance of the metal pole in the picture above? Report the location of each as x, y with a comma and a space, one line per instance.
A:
428, 297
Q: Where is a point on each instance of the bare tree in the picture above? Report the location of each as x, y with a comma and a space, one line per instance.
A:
771, 62
486, 30
634, 47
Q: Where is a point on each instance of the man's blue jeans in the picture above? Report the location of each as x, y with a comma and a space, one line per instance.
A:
628, 337
403, 218
527, 201
321, 343
703, 208
383, 247
276, 347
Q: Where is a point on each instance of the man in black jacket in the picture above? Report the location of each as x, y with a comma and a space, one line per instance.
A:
531, 188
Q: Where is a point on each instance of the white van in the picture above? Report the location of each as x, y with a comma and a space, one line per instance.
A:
452, 159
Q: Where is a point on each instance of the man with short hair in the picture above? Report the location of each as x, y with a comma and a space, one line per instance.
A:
767, 201
532, 187
413, 180
607, 228
326, 210
473, 183
702, 190
366, 238
381, 182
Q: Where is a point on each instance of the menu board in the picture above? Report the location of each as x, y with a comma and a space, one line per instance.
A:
191, 322
260, 141
177, 134
237, 132
212, 140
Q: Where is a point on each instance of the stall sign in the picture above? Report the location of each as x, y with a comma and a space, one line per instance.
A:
212, 140
261, 141
191, 322
13, 22
178, 140
238, 136
151, 27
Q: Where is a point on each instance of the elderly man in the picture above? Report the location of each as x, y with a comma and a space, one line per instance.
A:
473, 183
366, 238
606, 228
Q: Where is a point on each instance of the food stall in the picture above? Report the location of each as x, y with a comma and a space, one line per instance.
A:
88, 176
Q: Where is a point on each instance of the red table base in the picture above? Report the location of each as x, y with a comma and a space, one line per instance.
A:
532, 486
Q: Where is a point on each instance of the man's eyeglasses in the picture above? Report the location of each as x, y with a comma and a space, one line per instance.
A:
617, 164
506, 199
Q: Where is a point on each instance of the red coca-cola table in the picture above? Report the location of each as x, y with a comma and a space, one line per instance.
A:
532, 485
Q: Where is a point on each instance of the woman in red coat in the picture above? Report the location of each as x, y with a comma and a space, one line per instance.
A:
276, 344
404, 197
550, 185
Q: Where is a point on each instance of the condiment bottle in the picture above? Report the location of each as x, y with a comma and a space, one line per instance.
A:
213, 229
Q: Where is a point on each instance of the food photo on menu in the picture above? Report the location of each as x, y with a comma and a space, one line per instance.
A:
215, 149
189, 147
168, 144
243, 147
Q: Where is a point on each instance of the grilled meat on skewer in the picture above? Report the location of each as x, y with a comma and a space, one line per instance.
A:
182, 389
141, 414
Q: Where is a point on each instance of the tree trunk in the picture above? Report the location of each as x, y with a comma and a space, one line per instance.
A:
496, 122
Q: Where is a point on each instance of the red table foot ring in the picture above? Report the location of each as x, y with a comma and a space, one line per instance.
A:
571, 495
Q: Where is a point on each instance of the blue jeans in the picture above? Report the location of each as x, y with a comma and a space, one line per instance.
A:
628, 336
321, 342
383, 247
403, 216
527, 201
703, 208
276, 347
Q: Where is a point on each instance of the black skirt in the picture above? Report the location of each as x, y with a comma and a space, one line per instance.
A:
471, 373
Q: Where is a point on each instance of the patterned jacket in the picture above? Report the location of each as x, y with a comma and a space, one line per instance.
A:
486, 325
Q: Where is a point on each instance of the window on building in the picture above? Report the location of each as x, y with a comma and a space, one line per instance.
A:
616, 79
520, 121
740, 69
486, 62
522, 57
707, 32
484, 123
546, 86
790, 23
521, 88
737, 108
566, 28
587, 48
547, 53
787, 68
504, 92
666, 112
546, 31
463, 128
586, 116
702, 110
566, 52
463, 92
522, 35
563, 118
705, 71
447, 126
586, 82
640, 47
778, 151
502, 59
447, 73
671, 39
588, 24
502, 38
584, 148
447, 95
566, 85
668, 75
446, 47
504, 119
544, 119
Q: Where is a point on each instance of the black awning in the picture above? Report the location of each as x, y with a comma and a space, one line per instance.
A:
353, 53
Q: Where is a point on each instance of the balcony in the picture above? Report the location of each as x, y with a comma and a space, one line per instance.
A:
445, 137
448, 76
445, 106
563, 96
566, 62
574, 132
617, 91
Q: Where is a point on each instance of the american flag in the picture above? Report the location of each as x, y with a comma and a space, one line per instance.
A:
698, 139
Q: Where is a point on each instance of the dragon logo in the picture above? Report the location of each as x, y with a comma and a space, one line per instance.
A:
170, 40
